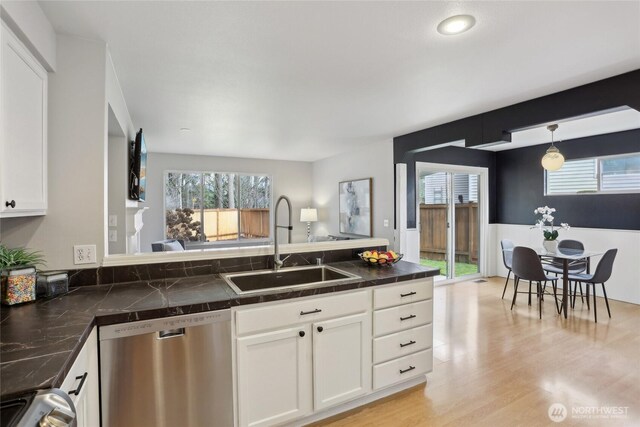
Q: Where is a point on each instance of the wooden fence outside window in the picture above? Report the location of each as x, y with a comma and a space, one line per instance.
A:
433, 232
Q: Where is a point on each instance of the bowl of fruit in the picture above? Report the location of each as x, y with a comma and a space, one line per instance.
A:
380, 258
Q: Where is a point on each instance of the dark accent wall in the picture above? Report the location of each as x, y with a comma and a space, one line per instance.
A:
520, 185
496, 125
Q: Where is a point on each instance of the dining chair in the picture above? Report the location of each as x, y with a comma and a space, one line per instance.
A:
507, 255
601, 275
527, 266
555, 266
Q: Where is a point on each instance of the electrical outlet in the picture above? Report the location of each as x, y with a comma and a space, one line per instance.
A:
386, 222
84, 254
113, 220
113, 235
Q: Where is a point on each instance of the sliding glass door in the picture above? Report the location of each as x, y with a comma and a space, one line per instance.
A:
450, 222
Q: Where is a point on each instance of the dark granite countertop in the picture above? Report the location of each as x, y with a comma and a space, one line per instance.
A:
39, 341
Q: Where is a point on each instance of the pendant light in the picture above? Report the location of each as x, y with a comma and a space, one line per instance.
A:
553, 159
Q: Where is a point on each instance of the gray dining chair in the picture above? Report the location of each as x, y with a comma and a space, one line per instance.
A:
576, 267
526, 265
507, 254
601, 275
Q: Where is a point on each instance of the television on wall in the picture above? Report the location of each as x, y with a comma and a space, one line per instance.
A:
138, 168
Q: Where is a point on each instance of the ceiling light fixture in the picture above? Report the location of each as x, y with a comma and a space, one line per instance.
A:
456, 24
553, 159
185, 130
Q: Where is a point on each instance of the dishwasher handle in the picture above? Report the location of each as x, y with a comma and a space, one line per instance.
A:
170, 333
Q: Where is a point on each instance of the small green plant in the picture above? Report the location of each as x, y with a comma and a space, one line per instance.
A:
19, 257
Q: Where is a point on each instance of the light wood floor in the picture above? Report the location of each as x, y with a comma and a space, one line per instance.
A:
497, 367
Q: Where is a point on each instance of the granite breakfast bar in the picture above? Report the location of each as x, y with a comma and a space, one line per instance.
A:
40, 340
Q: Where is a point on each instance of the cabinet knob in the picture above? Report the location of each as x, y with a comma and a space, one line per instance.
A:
320, 329
301, 333
11, 203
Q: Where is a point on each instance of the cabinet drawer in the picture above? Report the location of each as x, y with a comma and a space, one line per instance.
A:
403, 317
403, 293
402, 343
309, 310
402, 369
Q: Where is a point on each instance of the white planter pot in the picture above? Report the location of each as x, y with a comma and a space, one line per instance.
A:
550, 245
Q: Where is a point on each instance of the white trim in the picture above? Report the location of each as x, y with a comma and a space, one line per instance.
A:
221, 253
483, 191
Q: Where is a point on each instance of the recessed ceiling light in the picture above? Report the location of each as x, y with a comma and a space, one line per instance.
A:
456, 24
185, 130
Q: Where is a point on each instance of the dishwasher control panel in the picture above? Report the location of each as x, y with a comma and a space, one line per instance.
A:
174, 322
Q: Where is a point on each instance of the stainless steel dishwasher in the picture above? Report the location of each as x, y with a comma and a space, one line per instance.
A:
174, 371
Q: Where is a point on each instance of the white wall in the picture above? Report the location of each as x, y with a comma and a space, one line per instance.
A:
117, 191
292, 179
29, 23
371, 160
624, 284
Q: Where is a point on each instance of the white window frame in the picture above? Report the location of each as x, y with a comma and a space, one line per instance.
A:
598, 159
483, 225
226, 243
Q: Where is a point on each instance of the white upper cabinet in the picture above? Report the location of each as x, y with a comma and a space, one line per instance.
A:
23, 130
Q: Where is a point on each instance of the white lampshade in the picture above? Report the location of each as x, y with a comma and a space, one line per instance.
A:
553, 160
308, 215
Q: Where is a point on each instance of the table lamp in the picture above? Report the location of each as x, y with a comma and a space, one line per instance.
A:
308, 215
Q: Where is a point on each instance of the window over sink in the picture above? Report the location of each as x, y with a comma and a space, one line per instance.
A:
218, 207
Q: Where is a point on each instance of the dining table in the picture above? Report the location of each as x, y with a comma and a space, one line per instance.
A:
568, 258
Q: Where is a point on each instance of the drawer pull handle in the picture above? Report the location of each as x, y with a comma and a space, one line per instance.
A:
82, 380
320, 329
170, 333
11, 203
410, 368
407, 343
301, 333
407, 295
317, 310
408, 317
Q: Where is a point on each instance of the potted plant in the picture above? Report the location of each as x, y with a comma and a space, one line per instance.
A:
18, 274
545, 223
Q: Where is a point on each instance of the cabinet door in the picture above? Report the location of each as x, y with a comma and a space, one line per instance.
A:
82, 383
23, 130
274, 376
341, 359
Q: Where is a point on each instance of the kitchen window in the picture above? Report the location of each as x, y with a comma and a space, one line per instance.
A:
217, 206
597, 175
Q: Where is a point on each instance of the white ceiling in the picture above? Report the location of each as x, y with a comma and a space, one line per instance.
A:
307, 80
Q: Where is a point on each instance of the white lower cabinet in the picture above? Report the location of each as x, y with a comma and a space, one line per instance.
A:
81, 383
403, 332
341, 350
274, 376
289, 373
297, 358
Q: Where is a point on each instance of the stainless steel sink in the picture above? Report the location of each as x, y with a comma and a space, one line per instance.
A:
285, 278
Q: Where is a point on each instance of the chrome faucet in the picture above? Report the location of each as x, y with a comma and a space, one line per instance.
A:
277, 262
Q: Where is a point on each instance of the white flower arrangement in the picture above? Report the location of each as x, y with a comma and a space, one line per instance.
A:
545, 223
